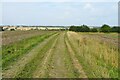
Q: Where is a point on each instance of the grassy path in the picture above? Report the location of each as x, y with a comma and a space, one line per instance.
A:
16, 68
57, 63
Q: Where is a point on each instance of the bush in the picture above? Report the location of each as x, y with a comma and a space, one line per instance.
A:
105, 28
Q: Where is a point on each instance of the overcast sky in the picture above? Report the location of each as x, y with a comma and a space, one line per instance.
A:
60, 12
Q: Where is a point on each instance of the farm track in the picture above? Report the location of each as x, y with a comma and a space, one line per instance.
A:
53, 64
57, 66
19, 65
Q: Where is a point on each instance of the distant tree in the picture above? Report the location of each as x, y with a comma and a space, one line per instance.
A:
84, 28
72, 28
115, 29
105, 28
94, 30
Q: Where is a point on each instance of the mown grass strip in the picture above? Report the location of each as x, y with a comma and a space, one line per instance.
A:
31, 66
13, 52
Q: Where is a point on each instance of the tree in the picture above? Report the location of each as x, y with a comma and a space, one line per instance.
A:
72, 28
85, 28
105, 28
82, 28
115, 29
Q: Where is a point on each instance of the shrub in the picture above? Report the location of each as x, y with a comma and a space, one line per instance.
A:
105, 28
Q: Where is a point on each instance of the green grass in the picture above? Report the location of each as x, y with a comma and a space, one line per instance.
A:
11, 53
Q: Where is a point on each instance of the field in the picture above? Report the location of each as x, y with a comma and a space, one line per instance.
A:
59, 54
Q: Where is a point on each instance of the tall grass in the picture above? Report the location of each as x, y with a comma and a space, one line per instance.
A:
98, 58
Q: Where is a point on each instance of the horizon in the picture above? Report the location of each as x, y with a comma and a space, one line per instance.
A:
55, 25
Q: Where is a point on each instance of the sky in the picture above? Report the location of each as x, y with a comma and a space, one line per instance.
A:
59, 12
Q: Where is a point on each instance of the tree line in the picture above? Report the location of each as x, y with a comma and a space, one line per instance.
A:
104, 28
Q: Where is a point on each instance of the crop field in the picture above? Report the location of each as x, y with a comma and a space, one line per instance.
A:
59, 54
